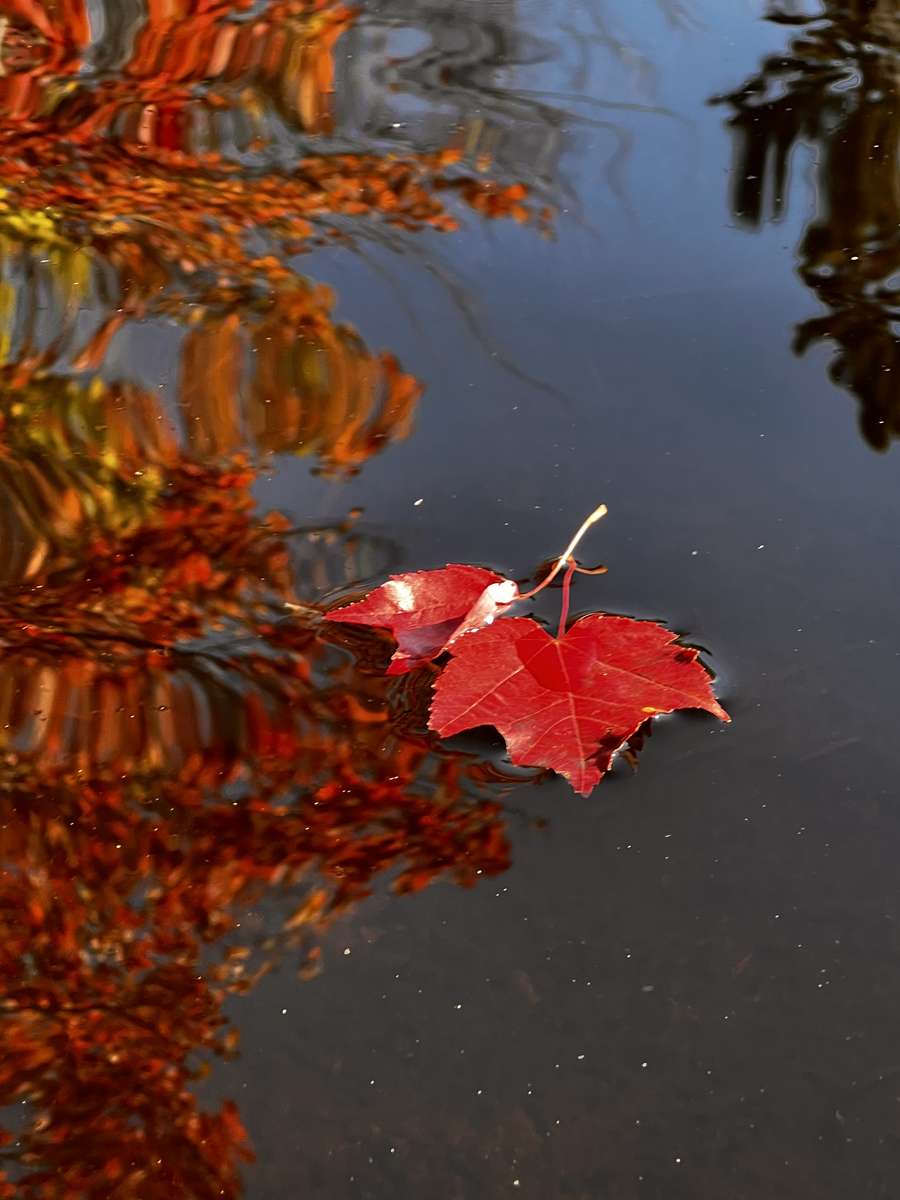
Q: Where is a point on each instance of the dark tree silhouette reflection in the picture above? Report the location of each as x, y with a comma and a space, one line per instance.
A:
837, 88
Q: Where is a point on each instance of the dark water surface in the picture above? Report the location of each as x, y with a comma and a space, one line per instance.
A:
261, 342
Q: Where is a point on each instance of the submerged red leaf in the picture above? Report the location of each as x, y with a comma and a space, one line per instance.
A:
568, 703
427, 611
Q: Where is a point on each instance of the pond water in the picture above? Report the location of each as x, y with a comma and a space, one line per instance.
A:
295, 295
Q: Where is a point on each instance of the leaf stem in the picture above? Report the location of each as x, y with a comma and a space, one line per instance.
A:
563, 559
566, 589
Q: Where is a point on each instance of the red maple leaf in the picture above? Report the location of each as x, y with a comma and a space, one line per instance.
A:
427, 611
568, 702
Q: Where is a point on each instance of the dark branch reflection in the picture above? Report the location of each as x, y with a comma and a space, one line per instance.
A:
836, 88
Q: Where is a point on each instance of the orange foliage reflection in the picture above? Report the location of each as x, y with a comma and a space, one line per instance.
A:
181, 742
177, 742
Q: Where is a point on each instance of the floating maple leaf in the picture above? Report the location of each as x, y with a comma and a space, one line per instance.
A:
427, 611
568, 702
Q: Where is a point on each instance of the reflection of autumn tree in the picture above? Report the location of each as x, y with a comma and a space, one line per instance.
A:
281, 61
177, 744
280, 375
75, 153
124, 197
180, 744
272, 370
838, 88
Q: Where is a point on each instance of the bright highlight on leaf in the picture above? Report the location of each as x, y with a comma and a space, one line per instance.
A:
568, 702
427, 611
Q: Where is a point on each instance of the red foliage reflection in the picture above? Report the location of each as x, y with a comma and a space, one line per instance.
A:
182, 739
177, 744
